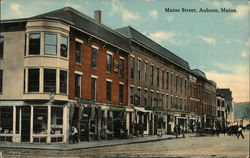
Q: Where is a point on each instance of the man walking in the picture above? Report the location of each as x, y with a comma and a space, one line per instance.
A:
240, 128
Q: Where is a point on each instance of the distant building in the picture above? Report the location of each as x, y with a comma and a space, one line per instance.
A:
227, 93
221, 111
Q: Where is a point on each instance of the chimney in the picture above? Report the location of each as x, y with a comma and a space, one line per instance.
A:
98, 16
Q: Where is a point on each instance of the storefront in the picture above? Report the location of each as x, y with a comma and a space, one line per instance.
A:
22, 122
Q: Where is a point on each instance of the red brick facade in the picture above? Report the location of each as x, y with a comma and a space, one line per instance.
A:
100, 72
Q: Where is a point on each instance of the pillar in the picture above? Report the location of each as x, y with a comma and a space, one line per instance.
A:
14, 124
65, 124
49, 124
31, 123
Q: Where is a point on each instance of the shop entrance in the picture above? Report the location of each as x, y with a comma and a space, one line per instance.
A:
25, 126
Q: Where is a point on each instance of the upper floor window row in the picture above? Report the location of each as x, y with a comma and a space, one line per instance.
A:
49, 45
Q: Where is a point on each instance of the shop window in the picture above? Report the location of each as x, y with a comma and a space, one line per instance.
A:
33, 80
56, 120
93, 121
77, 86
1, 46
93, 89
108, 91
78, 52
132, 94
94, 58
6, 120
110, 121
34, 44
50, 44
49, 80
109, 59
64, 46
40, 120
121, 68
132, 67
121, 93
1, 81
63, 81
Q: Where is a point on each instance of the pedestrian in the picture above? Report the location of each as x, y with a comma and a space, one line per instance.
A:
176, 131
74, 134
183, 131
240, 128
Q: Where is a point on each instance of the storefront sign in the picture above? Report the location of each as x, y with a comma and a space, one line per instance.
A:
117, 109
116, 65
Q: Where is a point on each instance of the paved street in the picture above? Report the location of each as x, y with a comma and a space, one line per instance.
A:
210, 146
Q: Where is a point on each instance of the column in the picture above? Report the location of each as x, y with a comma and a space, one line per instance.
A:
65, 124
31, 123
99, 123
127, 122
14, 124
49, 124
106, 124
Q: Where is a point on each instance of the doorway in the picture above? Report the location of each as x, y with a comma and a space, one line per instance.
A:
25, 127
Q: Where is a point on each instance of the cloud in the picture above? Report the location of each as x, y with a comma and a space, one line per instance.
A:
69, 3
127, 16
218, 3
149, 0
162, 36
153, 13
242, 11
16, 8
209, 40
248, 43
245, 54
236, 80
170, 18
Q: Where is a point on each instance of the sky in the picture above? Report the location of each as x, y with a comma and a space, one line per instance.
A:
216, 43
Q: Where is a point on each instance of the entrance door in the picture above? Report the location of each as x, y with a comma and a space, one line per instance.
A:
25, 128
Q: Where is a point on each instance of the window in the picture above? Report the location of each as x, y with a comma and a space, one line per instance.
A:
50, 44
94, 58
176, 84
34, 44
139, 96
108, 91
171, 102
63, 81
121, 68
152, 99
146, 72
1, 81
77, 85
24, 81
181, 85
162, 78
162, 100
33, 80
93, 89
121, 93
152, 74
132, 94
167, 80
1, 46
109, 59
181, 106
64, 46
78, 52
185, 87
132, 66
167, 101
139, 70
6, 119
49, 79
171, 81
145, 97
157, 77
156, 99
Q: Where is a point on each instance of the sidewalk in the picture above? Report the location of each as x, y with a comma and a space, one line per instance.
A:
86, 145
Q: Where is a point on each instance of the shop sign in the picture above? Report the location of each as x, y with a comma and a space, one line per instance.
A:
116, 65
117, 109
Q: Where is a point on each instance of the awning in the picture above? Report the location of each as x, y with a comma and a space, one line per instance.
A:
142, 109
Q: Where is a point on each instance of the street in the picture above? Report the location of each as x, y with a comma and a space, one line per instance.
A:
209, 146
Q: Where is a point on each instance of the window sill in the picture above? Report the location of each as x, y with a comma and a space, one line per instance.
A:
78, 63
